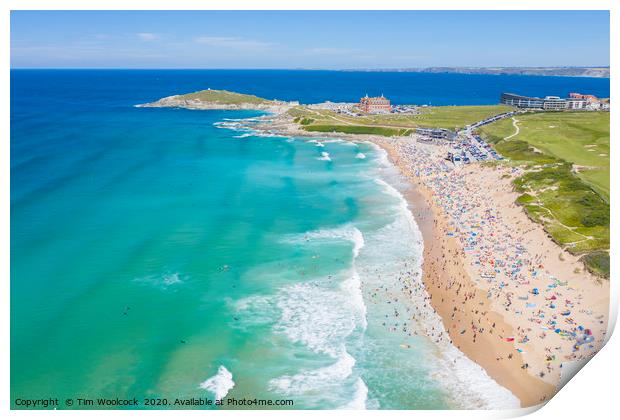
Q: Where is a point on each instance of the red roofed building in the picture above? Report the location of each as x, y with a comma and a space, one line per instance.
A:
589, 98
375, 105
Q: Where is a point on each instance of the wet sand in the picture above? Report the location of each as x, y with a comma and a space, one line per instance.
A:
442, 263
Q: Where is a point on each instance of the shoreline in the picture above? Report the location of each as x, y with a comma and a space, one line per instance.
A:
484, 329
432, 224
486, 312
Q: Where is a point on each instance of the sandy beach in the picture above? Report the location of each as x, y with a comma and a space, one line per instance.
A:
510, 298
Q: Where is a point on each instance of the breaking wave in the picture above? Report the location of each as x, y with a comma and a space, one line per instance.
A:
220, 383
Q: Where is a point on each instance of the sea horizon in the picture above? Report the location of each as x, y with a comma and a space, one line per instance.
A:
437, 89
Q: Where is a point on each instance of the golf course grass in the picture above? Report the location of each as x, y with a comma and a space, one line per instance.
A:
581, 138
566, 184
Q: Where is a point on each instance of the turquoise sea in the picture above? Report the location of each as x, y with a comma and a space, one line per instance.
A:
158, 253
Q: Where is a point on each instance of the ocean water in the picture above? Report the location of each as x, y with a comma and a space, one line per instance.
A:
160, 253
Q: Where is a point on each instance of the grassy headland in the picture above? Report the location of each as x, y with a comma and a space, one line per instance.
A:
566, 183
224, 97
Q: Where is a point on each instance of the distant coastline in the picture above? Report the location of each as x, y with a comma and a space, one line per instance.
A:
602, 72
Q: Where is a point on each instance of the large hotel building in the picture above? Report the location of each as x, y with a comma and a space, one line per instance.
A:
553, 103
375, 105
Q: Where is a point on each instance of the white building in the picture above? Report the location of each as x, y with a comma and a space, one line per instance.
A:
576, 103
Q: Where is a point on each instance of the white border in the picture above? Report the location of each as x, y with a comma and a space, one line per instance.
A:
591, 395
310, 5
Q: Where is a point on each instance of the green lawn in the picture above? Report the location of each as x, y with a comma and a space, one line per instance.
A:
456, 117
566, 186
450, 117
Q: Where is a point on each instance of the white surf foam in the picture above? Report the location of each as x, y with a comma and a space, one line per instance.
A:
220, 383
470, 384
319, 317
359, 398
314, 380
261, 133
322, 318
392, 191
164, 281
360, 155
342, 142
241, 119
324, 156
467, 382
227, 124
345, 232
351, 285
353, 288
254, 310
316, 142
171, 279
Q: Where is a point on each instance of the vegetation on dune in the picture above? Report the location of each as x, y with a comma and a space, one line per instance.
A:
598, 262
571, 205
581, 138
521, 151
224, 97
359, 129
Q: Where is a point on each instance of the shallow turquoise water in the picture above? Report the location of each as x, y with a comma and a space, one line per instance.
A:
153, 254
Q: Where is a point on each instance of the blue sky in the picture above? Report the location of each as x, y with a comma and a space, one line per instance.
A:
324, 39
